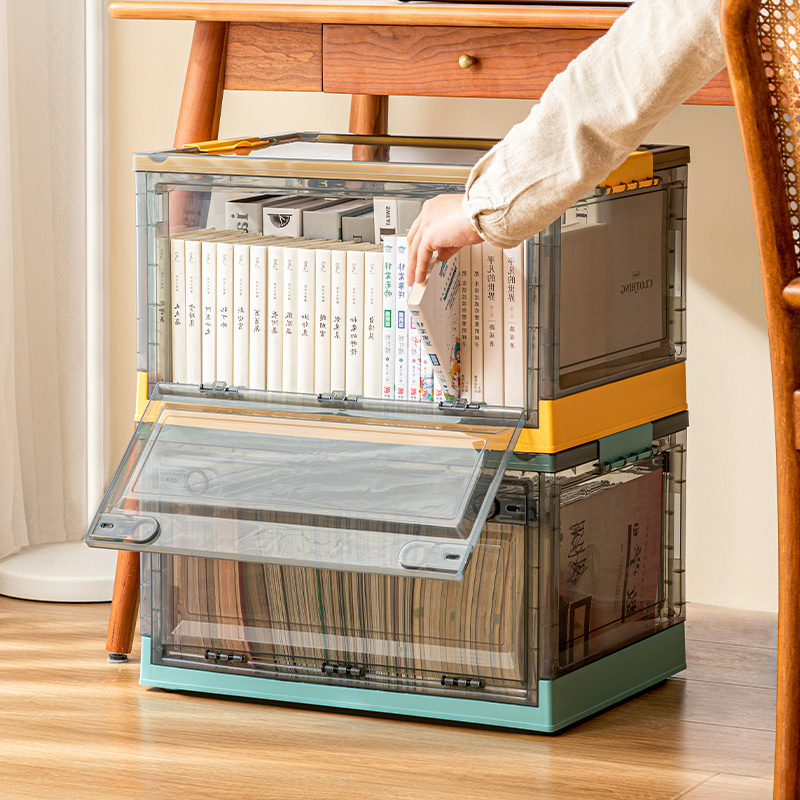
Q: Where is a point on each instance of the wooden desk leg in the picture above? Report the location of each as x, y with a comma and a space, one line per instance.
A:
201, 103
124, 607
369, 114
198, 120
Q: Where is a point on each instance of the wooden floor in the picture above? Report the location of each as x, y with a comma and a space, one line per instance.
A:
74, 726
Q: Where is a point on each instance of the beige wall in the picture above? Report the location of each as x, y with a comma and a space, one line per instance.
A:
731, 488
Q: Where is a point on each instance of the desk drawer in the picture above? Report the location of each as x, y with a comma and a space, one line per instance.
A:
417, 60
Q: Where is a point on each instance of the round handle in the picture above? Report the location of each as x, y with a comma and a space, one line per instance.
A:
465, 61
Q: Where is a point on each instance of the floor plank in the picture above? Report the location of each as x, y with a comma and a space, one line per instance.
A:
75, 727
731, 787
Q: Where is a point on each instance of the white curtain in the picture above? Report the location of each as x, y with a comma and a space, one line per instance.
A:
43, 274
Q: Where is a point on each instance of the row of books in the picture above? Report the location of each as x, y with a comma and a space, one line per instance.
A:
299, 315
396, 626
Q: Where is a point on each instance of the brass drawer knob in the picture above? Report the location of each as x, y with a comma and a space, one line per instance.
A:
465, 61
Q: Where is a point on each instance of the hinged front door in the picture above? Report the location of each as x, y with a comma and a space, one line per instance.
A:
334, 483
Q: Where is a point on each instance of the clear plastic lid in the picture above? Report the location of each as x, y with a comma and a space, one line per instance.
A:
334, 483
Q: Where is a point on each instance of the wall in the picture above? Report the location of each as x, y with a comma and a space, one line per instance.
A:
731, 513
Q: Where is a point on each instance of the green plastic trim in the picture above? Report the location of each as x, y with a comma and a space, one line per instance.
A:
562, 702
625, 443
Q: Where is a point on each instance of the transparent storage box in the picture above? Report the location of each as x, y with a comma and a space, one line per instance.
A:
605, 306
353, 555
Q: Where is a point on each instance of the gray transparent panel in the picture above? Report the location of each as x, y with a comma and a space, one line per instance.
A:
369, 486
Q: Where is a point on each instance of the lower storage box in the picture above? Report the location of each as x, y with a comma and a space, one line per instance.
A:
571, 600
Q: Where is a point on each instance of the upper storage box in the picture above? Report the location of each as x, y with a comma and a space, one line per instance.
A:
601, 314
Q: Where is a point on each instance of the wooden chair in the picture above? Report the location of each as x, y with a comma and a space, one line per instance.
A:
762, 41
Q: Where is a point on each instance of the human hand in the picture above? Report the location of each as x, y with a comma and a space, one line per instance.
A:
441, 226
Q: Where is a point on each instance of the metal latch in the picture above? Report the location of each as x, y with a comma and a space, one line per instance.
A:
342, 669
219, 388
337, 396
224, 658
460, 404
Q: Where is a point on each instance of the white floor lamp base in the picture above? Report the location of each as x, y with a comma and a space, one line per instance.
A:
64, 572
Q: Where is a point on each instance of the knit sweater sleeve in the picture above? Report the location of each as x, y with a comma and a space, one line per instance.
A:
593, 115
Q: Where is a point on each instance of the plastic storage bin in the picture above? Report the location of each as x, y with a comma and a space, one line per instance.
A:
524, 591
605, 295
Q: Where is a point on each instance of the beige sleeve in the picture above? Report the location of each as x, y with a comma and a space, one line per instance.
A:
593, 115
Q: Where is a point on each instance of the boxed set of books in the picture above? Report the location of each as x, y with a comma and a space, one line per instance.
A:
333, 512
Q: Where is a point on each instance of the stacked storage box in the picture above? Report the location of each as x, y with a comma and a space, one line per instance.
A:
518, 567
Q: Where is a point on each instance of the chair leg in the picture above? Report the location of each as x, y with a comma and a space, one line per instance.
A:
369, 114
124, 607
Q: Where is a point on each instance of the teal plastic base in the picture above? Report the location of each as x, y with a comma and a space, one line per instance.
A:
562, 701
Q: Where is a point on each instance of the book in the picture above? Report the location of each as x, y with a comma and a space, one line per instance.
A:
257, 347
414, 361
306, 315
325, 222
426, 376
465, 320
389, 258
359, 228
245, 214
291, 288
493, 388
373, 314
338, 317
434, 305
322, 320
225, 312
476, 324
208, 344
394, 215
285, 218
401, 320
514, 333
193, 304
354, 315
241, 314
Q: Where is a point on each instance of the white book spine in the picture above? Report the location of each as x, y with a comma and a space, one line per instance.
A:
274, 318
225, 315
492, 324
426, 380
290, 305
389, 306
241, 322
194, 303
514, 367
322, 322
177, 310
476, 324
306, 295
354, 356
414, 361
162, 299
258, 317
209, 325
401, 324
338, 318
373, 330
465, 319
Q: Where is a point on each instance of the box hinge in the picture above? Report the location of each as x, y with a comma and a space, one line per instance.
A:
342, 669
220, 388
337, 396
626, 186
220, 657
462, 683
626, 447
460, 404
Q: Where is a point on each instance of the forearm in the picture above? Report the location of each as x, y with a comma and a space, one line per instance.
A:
593, 115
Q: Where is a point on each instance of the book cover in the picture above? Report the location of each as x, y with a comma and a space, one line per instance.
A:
326, 222
194, 301
245, 214
435, 308
401, 320
414, 361
291, 287
209, 311
285, 217
476, 324
225, 312
389, 257
493, 380
394, 215
426, 375
514, 366
373, 330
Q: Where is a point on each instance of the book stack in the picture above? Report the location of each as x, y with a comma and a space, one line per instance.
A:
295, 314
